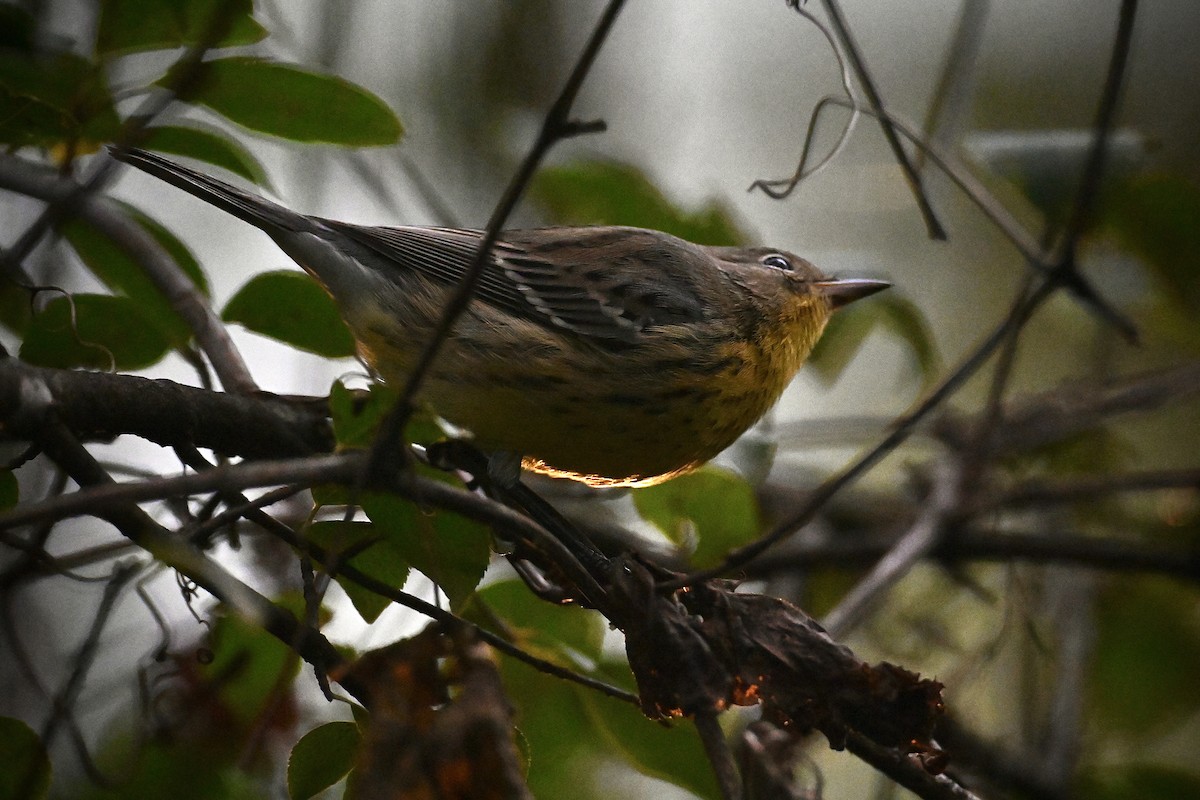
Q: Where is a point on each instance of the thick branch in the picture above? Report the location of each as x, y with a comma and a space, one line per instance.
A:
100, 405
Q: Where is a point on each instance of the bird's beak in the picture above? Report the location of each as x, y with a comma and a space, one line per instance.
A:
841, 292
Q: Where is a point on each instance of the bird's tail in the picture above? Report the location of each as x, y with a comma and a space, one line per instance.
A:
252, 208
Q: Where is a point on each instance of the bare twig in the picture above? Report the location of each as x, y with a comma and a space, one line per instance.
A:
932, 225
1088, 194
174, 553
921, 539
36, 180
719, 755
905, 771
557, 126
82, 662
779, 189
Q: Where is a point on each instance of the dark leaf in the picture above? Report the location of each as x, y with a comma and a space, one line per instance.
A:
107, 332
289, 306
554, 632
1147, 657
358, 544
248, 669
134, 25
357, 415
54, 100
321, 758
451, 550
109, 262
1141, 781
211, 147
1156, 218
713, 505
10, 491
606, 193
26, 773
287, 101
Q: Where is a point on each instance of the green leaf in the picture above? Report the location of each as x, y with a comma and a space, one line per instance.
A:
10, 490
113, 265
674, 754
608, 193
370, 553
321, 758
17, 28
175, 248
211, 147
1147, 657
303, 106
451, 550
26, 773
714, 505
248, 669
849, 327
1141, 781
357, 415
109, 332
291, 307
1155, 217
554, 632
135, 25
16, 312
54, 99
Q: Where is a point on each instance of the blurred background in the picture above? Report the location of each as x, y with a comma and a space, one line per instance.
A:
701, 98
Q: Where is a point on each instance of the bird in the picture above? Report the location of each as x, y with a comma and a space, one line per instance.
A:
609, 355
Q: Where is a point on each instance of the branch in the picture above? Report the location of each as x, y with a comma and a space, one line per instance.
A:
100, 405
905, 771
976, 543
107, 216
179, 79
175, 553
934, 228
1093, 169
1071, 490
920, 540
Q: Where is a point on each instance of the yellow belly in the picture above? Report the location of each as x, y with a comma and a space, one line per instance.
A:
631, 417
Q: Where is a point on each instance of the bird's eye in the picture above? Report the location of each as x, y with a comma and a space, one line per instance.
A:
777, 261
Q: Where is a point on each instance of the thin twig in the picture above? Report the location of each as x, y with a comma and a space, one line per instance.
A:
557, 126
716, 748
1073, 490
62, 447
1088, 194
375, 586
932, 225
82, 662
905, 771
107, 216
920, 540
779, 189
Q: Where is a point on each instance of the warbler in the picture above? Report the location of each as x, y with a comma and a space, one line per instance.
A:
615, 356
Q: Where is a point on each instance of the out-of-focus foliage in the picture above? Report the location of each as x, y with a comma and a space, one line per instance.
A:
605, 193
232, 703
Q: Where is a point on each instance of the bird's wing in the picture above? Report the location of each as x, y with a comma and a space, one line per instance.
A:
612, 302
